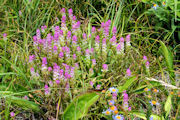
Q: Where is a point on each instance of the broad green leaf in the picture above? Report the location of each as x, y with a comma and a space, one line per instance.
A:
127, 84
167, 106
143, 116
155, 117
139, 90
25, 104
140, 115
79, 106
168, 58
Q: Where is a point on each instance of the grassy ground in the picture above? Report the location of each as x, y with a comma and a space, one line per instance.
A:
154, 33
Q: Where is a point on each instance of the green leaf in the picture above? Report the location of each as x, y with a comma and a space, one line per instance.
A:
167, 106
79, 106
127, 84
140, 115
143, 115
25, 104
169, 59
139, 90
156, 117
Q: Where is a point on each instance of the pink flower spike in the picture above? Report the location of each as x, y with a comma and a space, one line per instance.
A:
89, 35
105, 67
74, 38
12, 114
128, 37
74, 18
46, 86
4, 35
144, 58
87, 51
102, 24
63, 19
97, 38
92, 50
69, 34
128, 72
84, 36
129, 109
121, 39
32, 69
26, 97
114, 31
49, 69
57, 81
94, 61
91, 83
44, 61
63, 10
118, 48
98, 87
55, 48
31, 58
93, 30
104, 41
76, 65
78, 49
61, 55
70, 11
147, 64
74, 56
61, 32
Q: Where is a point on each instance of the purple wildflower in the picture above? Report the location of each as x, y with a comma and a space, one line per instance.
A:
57, 82
78, 49
105, 67
74, 39
125, 100
76, 65
4, 36
91, 83
118, 48
128, 72
144, 58
61, 54
93, 30
147, 64
87, 54
56, 69
74, 56
128, 39
94, 62
31, 58
68, 36
113, 40
114, 31
98, 87
47, 90
12, 114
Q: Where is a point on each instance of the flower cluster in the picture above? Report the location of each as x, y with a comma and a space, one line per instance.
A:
61, 51
155, 91
155, 5
113, 109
